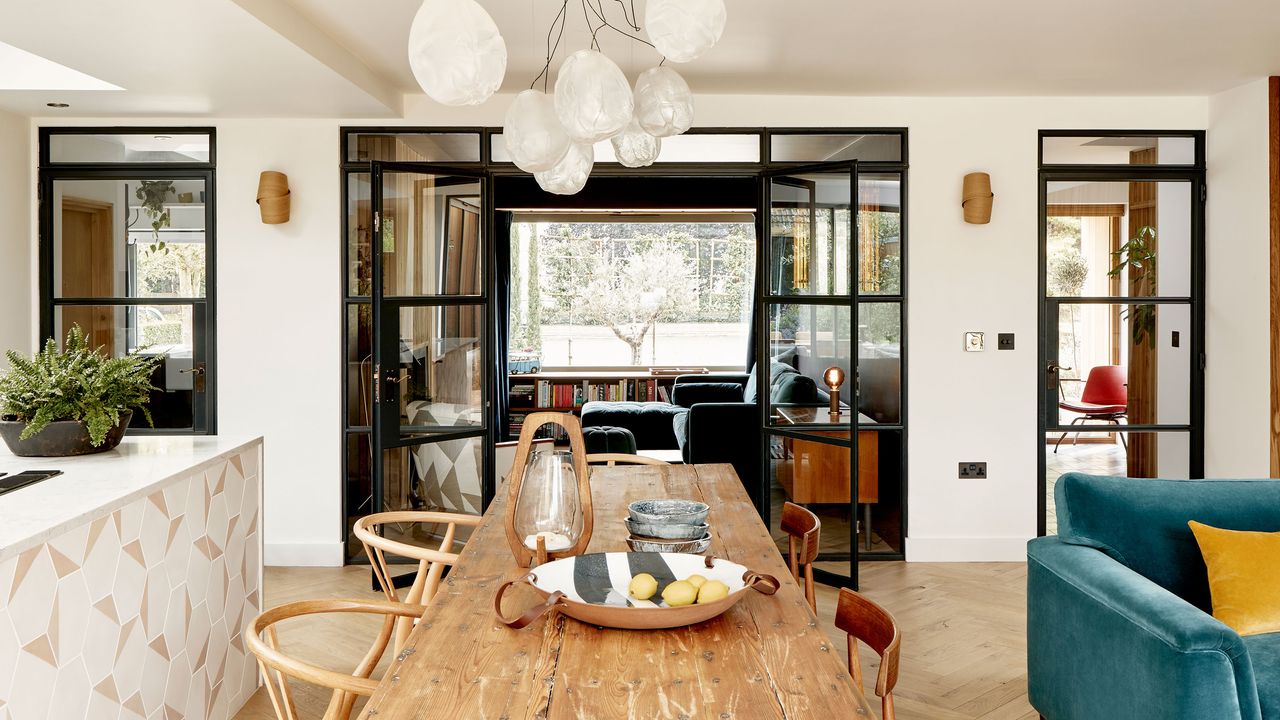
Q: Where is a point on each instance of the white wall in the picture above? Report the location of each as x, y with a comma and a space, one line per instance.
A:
279, 371
279, 301
1237, 374
17, 294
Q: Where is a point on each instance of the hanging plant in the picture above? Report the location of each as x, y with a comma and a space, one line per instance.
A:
1139, 255
153, 194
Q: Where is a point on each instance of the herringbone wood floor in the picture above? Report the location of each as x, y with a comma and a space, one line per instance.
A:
963, 625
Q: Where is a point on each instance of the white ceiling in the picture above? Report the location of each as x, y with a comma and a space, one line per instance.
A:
908, 47
340, 58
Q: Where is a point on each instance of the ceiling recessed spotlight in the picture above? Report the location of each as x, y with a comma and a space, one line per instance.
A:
163, 137
58, 105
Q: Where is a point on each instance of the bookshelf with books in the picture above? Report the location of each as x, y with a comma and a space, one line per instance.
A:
569, 391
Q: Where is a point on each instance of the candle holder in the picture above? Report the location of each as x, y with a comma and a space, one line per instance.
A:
549, 513
834, 378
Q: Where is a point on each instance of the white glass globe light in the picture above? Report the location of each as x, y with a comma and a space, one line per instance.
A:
634, 147
456, 52
593, 99
571, 173
535, 139
664, 103
682, 30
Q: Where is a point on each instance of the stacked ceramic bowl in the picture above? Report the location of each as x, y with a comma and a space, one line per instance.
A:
671, 526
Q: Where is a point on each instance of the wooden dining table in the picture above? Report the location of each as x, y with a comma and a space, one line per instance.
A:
764, 658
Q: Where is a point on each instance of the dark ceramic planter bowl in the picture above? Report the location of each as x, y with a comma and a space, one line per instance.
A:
61, 439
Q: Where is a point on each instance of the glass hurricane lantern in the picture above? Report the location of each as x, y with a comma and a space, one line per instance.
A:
549, 513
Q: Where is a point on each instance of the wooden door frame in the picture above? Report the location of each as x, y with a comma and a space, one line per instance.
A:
1273, 126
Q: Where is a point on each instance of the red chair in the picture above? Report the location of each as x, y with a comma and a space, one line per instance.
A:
1105, 399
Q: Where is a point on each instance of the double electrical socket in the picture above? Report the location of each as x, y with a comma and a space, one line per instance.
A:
973, 471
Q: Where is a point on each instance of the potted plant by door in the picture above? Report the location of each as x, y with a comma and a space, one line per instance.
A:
72, 402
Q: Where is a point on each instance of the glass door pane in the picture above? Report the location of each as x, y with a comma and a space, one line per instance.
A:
129, 266
430, 325
1121, 363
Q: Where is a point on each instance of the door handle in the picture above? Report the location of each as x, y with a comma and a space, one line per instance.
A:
197, 382
1051, 375
393, 379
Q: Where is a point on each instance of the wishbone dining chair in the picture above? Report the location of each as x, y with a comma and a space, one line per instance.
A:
431, 561
277, 667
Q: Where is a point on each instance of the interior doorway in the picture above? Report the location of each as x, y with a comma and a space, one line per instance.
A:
1122, 319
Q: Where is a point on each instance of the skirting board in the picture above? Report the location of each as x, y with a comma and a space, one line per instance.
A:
997, 549
302, 554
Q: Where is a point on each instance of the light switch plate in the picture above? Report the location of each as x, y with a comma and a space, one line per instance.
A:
973, 342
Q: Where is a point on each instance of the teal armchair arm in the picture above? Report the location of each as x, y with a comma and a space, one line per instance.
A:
1105, 642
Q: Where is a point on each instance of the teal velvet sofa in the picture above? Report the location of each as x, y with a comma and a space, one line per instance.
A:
1118, 609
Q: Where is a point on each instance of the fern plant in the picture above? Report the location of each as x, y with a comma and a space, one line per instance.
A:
77, 383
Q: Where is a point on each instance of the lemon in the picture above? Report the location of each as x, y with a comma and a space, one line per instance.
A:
711, 591
643, 586
679, 593
695, 580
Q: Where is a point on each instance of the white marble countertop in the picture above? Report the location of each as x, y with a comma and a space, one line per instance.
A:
92, 486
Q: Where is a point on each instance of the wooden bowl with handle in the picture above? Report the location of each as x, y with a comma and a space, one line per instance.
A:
593, 588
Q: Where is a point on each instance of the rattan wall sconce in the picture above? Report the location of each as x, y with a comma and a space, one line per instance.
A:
273, 197
976, 198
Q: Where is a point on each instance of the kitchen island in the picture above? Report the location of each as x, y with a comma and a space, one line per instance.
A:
126, 581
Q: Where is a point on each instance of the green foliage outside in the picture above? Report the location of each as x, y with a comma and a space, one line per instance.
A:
627, 276
162, 333
78, 383
176, 272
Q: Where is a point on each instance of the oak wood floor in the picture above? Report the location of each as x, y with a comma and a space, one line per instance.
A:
963, 625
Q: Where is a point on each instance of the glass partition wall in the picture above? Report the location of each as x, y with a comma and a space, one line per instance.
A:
126, 255
841, 304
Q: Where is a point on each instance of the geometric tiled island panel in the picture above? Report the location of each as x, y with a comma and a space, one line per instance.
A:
138, 614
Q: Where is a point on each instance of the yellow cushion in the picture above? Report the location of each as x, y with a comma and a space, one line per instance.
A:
1244, 577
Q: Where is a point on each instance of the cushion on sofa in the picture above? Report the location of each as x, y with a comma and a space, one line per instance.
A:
793, 389
689, 394
609, 439
1142, 523
649, 422
680, 425
1264, 655
1244, 577
786, 385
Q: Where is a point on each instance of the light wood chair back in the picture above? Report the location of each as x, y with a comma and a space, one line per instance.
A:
864, 620
612, 459
431, 562
277, 667
804, 531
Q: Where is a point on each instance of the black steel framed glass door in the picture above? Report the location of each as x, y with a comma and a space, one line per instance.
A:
806, 345
430, 328
1122, 318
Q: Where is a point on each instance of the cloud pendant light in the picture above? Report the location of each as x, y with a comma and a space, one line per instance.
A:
456, 52
593, 99
682, 30
664, 103
634, 147
535, 139
571, 173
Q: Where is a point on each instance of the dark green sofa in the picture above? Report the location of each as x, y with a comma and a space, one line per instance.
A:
712, 418
1118, 609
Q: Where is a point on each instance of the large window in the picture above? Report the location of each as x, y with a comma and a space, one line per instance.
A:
126, 237
611, 292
